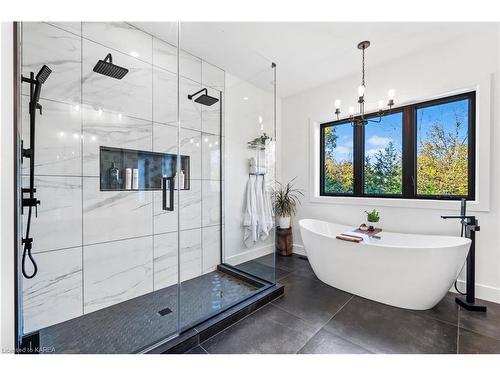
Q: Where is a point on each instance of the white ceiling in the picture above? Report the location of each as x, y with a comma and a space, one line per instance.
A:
307, 54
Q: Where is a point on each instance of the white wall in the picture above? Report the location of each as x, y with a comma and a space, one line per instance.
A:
241, 126
6, 189
464, 63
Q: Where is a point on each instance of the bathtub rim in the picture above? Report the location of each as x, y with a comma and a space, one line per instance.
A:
459, 240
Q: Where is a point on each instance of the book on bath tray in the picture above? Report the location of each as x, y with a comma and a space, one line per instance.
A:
359, 234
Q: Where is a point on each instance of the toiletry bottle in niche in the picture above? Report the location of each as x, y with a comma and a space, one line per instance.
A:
181, 180
128, 178
135, 179
114, 176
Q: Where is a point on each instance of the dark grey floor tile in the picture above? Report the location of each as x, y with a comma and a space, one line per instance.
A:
269, 330
294, 263
197, 350
485, 323
263, 271
474, 343
325, 342
446, 310
311, 300
385, 329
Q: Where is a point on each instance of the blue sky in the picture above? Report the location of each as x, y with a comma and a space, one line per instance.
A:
445, 114
377, 135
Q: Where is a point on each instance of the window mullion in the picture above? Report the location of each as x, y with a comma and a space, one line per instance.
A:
409, 152
359, 146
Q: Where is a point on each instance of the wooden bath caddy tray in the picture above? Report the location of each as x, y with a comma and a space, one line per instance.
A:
369, 233
349, 238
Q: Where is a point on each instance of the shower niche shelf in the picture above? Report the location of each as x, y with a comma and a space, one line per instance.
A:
151, 166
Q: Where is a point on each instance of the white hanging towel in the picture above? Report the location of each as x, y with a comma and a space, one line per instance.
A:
250, 221
268, 224
260, 207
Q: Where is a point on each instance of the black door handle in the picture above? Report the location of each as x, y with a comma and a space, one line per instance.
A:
170, 206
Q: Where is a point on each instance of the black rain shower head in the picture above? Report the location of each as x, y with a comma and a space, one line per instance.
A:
204, 99
107, 68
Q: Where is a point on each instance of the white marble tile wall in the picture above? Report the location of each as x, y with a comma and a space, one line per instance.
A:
55, 294
59, 221
61, 52
165, 260
211, 248
94, 248
122, 37
115, 215
116, 271
130, 96
58, 138
103, 128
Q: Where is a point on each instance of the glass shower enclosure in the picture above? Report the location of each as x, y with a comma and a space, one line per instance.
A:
149, 140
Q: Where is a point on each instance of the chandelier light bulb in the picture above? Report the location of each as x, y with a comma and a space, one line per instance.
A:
390, 94
351, 111
361, 90
380, 105
337, 104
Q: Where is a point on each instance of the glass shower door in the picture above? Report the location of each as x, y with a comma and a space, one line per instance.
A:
106, 236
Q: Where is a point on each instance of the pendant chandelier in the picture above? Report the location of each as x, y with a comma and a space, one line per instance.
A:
360, 119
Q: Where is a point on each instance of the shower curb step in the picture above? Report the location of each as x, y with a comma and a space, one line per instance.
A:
203, 331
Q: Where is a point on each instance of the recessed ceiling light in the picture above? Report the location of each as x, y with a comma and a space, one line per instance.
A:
245, 98
134, 54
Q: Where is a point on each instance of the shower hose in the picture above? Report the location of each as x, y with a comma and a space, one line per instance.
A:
27, 250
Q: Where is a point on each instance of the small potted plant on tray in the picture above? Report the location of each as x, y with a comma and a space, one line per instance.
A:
373, 218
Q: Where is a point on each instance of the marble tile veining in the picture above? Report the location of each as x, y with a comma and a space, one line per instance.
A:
55, 293
190, 206
164, 96
113, 130
211, 248
115, 215
117, 271
44, 44
59, 221
72, 27
165, 260
165, 54
190, 254
190, 66
210, 157
211, 202
190, 111
130, 96
212, 76
120, 36
58, 138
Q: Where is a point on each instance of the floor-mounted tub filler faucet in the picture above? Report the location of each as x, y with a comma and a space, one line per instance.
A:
470, 225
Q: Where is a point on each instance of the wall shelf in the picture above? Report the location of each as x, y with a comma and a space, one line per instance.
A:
152, 166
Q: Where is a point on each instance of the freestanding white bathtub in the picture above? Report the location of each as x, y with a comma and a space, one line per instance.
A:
411, 271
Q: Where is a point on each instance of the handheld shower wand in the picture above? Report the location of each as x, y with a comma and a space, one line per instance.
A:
35, 89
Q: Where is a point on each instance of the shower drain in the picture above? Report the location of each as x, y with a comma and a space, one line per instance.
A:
164, 312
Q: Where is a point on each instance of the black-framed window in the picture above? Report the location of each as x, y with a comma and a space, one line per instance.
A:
419, 151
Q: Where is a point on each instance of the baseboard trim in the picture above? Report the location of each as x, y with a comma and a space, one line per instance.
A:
485, 292
249, 255
299, 249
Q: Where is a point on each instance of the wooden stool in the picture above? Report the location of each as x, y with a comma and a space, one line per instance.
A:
284, 241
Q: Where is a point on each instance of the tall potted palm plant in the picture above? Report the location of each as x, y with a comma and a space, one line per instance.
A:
286, 199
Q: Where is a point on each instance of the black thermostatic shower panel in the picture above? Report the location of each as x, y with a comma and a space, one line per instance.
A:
31, 202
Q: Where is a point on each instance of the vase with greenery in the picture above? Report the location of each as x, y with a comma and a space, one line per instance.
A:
373, 218
286, 199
